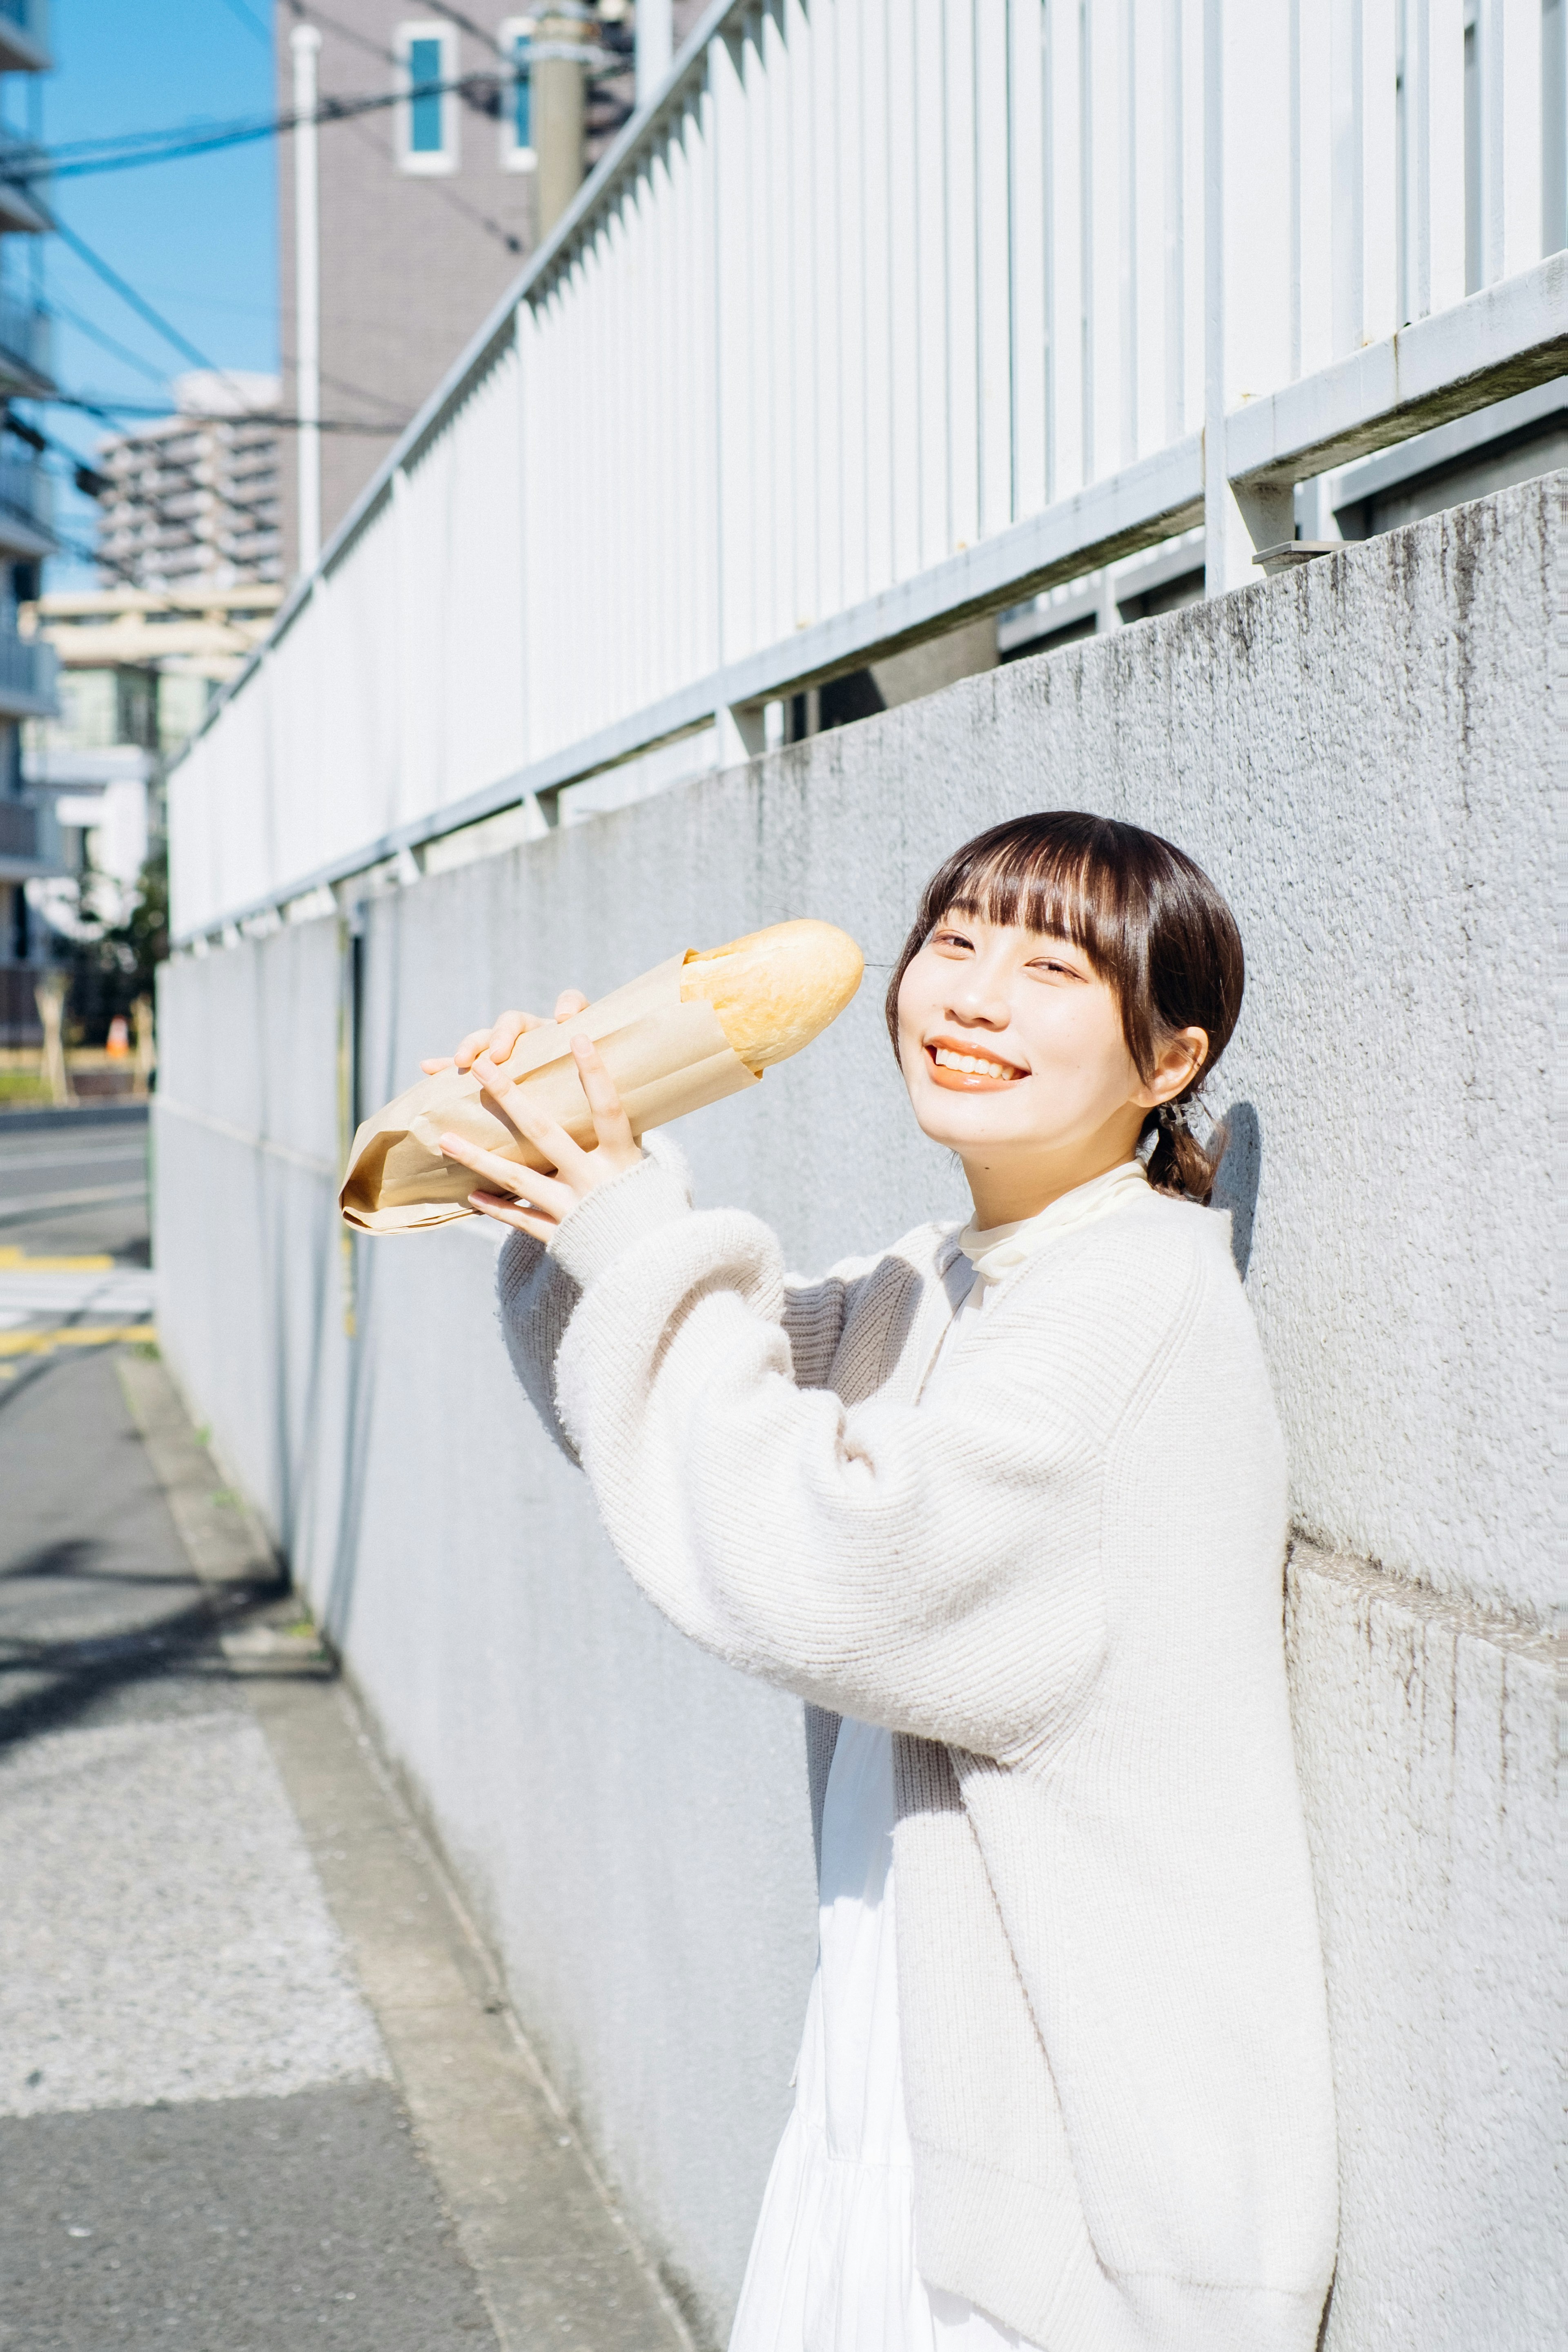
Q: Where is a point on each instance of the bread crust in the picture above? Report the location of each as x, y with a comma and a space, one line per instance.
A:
776, 990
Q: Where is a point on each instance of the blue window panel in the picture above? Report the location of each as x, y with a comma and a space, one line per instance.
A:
425, 98
522, 93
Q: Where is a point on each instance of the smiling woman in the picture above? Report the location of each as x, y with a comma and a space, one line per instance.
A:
1007, 1507
1091, 959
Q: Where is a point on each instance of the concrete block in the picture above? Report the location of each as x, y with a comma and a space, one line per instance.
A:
1426, 1732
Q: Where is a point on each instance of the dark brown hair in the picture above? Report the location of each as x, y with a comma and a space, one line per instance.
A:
1150, 921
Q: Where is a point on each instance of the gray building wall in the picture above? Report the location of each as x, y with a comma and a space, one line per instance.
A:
1362, 754
409, 263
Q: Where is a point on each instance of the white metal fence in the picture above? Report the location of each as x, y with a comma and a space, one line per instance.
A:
882, 314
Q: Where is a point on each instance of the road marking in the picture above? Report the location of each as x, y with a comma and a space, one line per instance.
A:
72, 1335
41, 1294
17, 1211
22, 1164
14, 1261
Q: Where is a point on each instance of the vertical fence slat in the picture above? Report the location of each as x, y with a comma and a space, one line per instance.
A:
1150, 125
962, 279
906, 292
1379, 148
1068, 355
880, 233
1107, 258
825, 463
1195, 100
1444, 44
851, 101
1521, 139
772, 443
1028, 290
1173, 96
994, 268
932, 166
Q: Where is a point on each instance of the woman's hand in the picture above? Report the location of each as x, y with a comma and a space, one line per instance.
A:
540, 1204
499, 1038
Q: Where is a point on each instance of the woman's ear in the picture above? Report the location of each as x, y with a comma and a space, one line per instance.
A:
1179, 1060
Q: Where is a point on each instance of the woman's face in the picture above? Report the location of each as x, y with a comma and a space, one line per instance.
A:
1013, 1052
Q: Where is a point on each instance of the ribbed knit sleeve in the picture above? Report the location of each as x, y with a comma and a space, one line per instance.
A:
936, 1569
537, 1293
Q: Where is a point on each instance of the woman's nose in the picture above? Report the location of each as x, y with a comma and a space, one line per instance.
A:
980, 1007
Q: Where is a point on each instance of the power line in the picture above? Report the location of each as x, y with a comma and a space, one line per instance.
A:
128, 153
449, 196
138, 302
63, 311
75, 159
252, 23
110, 410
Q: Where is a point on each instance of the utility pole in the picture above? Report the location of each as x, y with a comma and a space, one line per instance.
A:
559, 66
305, 42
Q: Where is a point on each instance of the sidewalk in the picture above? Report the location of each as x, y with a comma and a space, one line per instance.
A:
259, 2086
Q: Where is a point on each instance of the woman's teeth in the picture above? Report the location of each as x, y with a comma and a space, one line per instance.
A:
947, 1060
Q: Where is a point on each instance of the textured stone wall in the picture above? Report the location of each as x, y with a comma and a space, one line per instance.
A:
1360, 754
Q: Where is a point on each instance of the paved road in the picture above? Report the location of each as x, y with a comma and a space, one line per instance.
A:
257, 2087
82, 1189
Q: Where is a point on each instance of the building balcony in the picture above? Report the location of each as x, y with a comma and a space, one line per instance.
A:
25, 36
24, 173
25, 353
28, 668
24, 510
31, 846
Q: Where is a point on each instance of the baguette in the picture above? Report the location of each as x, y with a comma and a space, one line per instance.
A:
774, 991
693, 1032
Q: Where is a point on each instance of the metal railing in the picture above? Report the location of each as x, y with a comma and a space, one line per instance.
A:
31, 19
28, 671
877, 318
25, 496
18, 828
24, 339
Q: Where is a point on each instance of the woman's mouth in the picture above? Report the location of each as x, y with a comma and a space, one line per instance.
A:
967, 1073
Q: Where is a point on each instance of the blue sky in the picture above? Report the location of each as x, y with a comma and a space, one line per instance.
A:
197, 238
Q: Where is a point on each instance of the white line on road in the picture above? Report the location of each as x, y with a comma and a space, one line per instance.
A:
16, 1211
23, 1164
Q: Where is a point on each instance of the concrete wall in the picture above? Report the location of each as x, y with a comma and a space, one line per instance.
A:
1360, 753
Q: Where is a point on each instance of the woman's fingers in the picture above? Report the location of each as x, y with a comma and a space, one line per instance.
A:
507, 1212
546, 1193
611, 1124
500, 1040
474, 1043
546, 1134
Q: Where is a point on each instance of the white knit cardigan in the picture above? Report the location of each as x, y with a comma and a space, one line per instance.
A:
1059, 1582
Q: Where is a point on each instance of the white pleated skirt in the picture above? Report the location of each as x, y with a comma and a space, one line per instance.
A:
833, 2266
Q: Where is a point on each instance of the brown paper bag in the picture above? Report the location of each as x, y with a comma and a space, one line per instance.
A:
666, 1057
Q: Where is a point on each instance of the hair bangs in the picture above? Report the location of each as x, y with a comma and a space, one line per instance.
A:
1056, 888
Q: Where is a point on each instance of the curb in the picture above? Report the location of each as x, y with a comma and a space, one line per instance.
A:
29, 1118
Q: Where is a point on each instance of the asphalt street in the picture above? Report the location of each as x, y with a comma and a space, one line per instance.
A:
259, 2086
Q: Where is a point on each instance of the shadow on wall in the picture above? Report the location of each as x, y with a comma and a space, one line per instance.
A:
1236, 1186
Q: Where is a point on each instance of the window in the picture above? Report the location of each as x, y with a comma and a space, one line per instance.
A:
515, 38
427, 119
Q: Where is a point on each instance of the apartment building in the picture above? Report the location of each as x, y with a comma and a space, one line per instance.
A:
192, 499
28, 835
